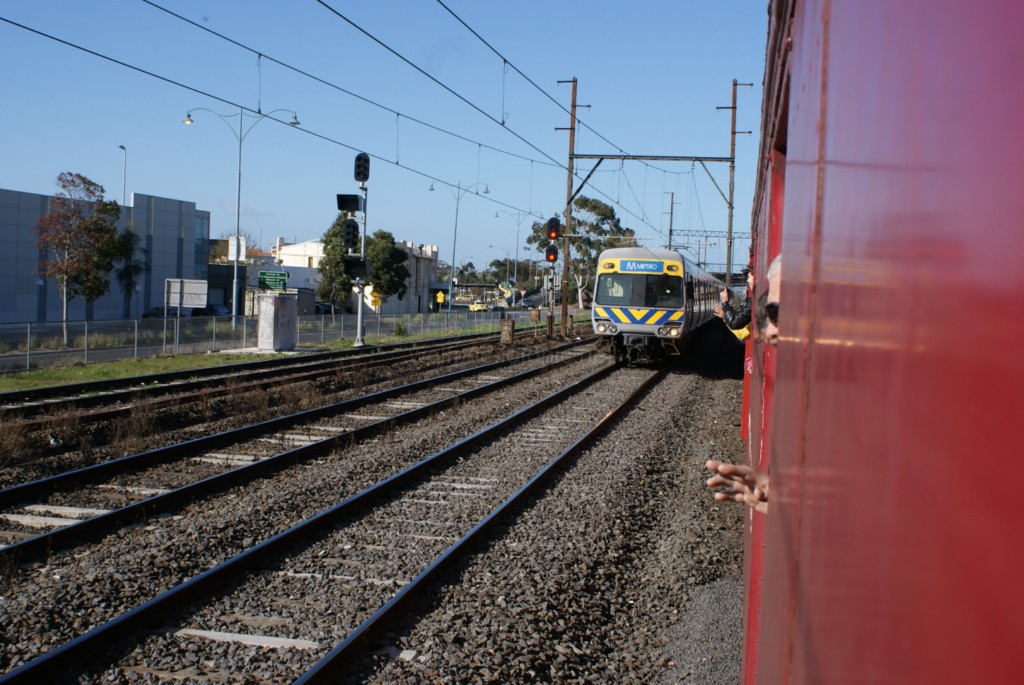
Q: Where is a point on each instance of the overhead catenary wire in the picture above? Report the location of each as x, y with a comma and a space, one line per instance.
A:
329, 84
580, 123
235, 105
305, 130
546, 94
466, 101
551, 162
434, 79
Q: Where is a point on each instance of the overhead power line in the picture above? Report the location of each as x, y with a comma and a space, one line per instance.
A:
335, 86
231, 103
305, 130
463, 99
435, 80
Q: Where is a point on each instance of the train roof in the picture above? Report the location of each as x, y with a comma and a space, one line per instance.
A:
641, 253
657, 253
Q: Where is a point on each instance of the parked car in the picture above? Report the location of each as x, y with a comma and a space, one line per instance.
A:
158, 313
479, 306
212, 310
324, 308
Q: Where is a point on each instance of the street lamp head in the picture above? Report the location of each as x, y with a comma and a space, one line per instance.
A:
188, 119
295, 120
122, 147
431, 188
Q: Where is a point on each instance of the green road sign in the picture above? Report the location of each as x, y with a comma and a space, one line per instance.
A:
273, 280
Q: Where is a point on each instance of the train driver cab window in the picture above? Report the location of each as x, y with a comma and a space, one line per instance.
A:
614, 289
663, 291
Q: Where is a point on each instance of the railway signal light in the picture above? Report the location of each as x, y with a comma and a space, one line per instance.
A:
350, 234
551, 254
554, 229
362, 167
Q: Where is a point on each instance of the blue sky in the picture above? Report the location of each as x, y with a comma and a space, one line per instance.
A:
652, 73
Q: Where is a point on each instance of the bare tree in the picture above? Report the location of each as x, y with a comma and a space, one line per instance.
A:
78, 241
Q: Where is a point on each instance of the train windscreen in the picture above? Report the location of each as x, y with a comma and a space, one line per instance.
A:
639, 290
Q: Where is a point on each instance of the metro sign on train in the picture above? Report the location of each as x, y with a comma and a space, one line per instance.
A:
645, 266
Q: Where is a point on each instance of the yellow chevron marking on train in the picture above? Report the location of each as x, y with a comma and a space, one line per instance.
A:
638, 314
619, 315
653, 318
676, 316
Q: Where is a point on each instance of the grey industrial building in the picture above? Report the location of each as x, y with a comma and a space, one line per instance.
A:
173, 242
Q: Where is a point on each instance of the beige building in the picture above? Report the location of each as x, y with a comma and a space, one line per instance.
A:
303, 259
306, 254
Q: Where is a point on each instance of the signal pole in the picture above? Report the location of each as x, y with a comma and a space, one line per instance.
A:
362, 175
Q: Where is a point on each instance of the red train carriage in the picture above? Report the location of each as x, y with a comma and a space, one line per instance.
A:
891, 180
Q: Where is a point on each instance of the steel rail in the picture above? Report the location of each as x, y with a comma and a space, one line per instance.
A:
212, 387
76, 652
360, 639
84, 395
40, 546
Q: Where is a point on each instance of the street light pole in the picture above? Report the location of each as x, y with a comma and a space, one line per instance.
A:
455, 237
519, 216
240, 135
124, 174
457, 193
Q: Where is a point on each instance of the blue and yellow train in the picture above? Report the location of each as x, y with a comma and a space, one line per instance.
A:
648, 301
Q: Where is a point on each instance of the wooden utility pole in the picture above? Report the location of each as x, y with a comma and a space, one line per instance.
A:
732, 181
671, 208
567, 224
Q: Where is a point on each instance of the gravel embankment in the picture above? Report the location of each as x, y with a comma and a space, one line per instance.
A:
626, 571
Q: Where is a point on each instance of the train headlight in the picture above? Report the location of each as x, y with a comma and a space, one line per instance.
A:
612, 328
662, 331
674, 331
602, 327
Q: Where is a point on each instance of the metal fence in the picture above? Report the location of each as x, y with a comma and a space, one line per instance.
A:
36, 345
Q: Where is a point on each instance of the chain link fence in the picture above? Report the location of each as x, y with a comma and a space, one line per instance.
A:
37, 345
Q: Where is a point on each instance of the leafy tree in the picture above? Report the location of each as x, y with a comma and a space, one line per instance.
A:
467, 273
595, 228
335, 283
598, 229
388, 272
78, 241
498, 270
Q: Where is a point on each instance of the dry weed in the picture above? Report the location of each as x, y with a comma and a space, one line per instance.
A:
130, 433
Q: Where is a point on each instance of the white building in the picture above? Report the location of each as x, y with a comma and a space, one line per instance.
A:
304, 258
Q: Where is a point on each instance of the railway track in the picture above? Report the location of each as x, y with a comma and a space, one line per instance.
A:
53, 442
78, 505
316, 592
105, 399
